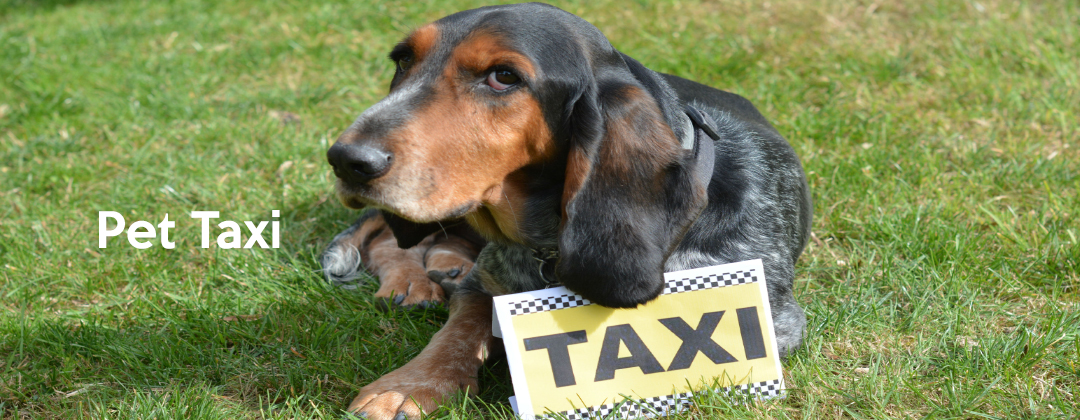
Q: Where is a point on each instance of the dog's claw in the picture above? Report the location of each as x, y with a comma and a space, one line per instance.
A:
420, 306
383, 305
447, 279
448, 286
436, 276
398, 304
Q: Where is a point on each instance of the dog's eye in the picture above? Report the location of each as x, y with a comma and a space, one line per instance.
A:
404, 62
502, 79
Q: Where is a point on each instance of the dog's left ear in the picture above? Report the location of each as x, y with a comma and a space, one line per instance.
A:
631, 192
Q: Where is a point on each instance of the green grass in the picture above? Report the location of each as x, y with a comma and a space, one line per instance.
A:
940, 139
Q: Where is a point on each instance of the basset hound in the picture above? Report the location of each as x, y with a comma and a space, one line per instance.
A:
517, 149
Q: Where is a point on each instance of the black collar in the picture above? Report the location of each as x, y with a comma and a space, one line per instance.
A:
702, 122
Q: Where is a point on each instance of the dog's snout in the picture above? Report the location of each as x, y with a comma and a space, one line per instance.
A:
359, 163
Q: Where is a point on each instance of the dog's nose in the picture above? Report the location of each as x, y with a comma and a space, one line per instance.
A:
359, 163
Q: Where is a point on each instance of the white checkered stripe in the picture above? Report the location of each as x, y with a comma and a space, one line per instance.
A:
765, 390
630, 409
668, 404
547, 304
691, 284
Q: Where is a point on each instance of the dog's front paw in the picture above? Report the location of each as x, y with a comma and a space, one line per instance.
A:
448, 261
408, 287
408, 392
449, 279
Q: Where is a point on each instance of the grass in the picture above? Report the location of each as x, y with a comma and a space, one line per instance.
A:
940, 140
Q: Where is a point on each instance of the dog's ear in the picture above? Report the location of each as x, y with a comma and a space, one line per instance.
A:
408, 233
630, 194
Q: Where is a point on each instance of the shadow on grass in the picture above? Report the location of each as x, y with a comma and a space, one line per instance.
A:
318, 343
296, 342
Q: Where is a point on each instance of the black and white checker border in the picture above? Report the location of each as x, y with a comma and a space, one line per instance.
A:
665, 405
765, 390
682, 285
711, 281
564, 301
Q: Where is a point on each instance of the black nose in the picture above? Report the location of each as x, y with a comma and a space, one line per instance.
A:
359, 163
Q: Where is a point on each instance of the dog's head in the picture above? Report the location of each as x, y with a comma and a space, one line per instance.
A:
482, 96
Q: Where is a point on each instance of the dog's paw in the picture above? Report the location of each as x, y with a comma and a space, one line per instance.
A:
449, 279
389, 405
407, 393
448, 262
341, 263
409, 289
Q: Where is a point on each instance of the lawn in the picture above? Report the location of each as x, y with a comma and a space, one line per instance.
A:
940, 140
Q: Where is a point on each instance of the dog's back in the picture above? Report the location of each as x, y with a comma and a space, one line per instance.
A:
759, 202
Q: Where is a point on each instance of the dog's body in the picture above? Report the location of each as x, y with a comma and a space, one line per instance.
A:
575, 163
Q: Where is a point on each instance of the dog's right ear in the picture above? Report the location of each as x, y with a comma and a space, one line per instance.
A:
409, 233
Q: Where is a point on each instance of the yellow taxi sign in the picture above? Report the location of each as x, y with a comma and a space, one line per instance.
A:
710, 326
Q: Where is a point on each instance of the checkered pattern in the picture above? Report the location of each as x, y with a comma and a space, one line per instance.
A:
673, 286
711, 281
766, 390
668, 404
547, 304
631, 409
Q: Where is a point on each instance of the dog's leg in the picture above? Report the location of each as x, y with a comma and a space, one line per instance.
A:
401, 272
451, 257
789, 320
370, 242
447, 365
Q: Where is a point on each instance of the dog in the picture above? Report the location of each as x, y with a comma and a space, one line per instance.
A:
517, 149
